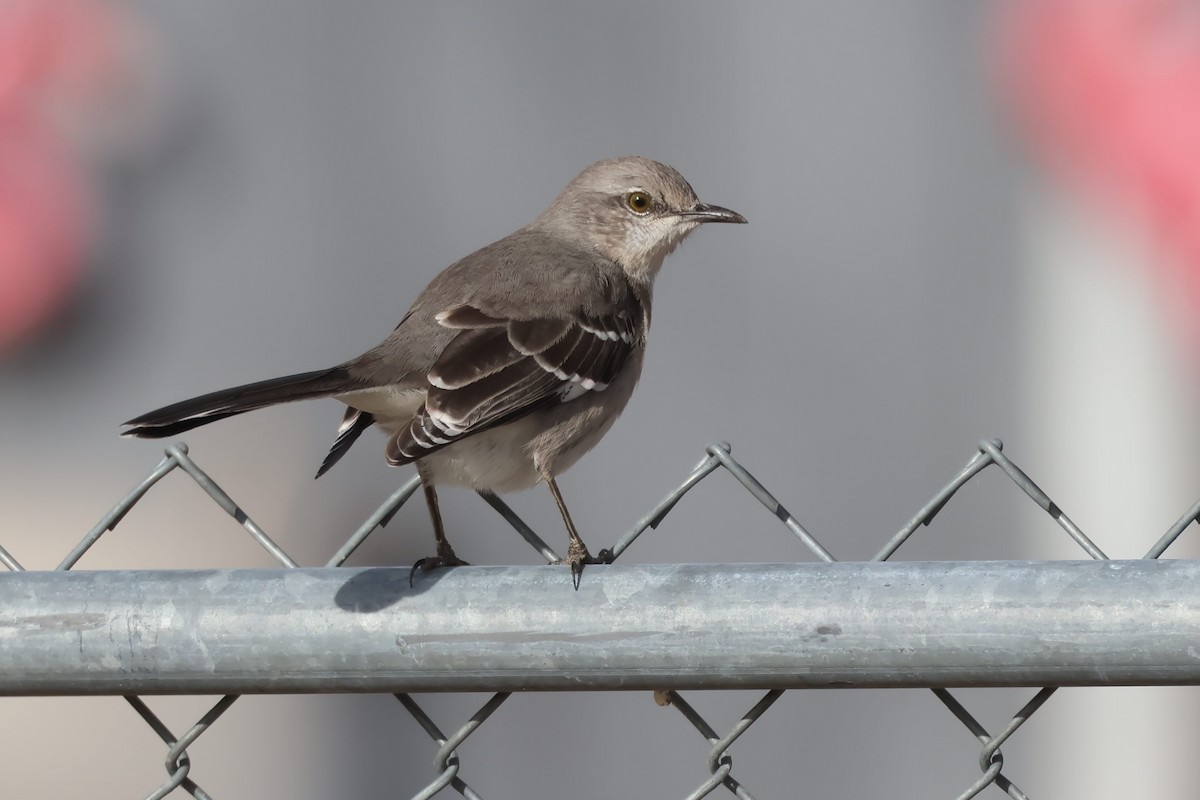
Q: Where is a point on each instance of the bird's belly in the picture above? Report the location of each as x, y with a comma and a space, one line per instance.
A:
496, 460
393, 408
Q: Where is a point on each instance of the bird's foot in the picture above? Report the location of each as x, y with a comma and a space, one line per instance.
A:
445, 558
578, 557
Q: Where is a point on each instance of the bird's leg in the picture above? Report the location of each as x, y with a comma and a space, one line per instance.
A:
446, 556
577, 552
445, 552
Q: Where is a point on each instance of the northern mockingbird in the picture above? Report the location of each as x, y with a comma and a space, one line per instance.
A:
515, 360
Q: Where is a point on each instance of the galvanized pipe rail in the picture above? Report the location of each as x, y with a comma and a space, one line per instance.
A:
720, 626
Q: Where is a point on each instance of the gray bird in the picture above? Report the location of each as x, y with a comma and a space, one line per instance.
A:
514, 361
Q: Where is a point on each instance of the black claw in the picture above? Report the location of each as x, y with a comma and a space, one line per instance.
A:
579, 557
434, 562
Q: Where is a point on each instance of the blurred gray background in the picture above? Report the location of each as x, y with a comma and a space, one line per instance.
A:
317, 163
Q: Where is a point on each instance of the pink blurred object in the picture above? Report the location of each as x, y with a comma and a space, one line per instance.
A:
64, 66
42, 228
1108, 92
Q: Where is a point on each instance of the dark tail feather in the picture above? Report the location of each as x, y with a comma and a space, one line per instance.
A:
353, 424
188, 414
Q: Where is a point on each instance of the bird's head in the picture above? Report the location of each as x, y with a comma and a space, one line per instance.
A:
634, 211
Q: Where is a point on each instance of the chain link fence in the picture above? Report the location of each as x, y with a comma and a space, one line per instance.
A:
1144, 644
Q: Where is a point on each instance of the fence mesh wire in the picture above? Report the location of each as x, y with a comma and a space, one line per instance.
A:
717, 457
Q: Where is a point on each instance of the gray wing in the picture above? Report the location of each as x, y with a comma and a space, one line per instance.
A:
524, 276
496, 370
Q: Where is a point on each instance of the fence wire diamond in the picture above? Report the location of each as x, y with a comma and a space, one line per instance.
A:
719, 760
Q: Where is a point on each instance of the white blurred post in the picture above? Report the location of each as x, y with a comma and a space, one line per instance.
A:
1109, 433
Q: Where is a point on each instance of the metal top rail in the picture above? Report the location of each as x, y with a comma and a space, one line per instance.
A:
770, 626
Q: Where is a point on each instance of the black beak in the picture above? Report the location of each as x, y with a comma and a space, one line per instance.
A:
707, 213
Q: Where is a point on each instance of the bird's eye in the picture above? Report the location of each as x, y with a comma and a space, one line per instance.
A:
638, 202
